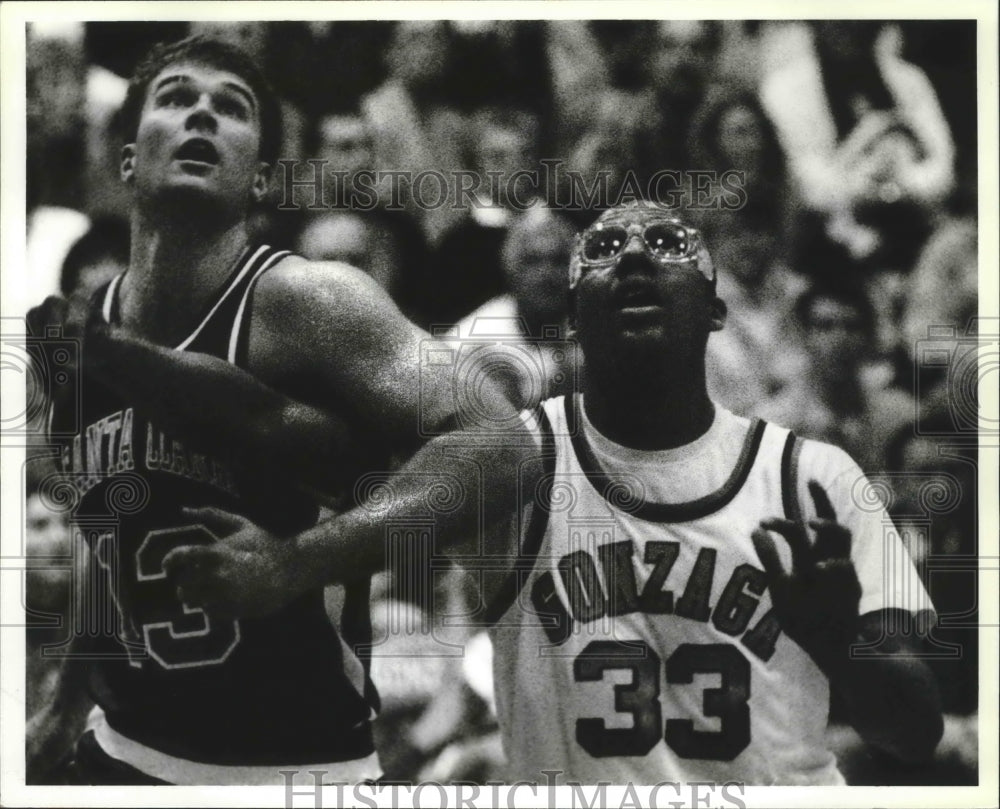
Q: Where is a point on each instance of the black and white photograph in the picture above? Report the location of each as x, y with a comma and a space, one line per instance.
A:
499, 404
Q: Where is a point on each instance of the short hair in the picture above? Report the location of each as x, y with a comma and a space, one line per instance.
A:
215, 53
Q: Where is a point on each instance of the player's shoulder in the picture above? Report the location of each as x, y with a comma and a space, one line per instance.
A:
297, 288
295, 273
817, 453
828, 464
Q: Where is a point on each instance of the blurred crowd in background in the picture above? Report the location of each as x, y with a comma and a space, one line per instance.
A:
849, 270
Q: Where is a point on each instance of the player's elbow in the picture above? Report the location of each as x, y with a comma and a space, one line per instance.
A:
912, 726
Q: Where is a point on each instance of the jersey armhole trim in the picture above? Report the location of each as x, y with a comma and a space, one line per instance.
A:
109, 304
790, 477
534, 532
239, 337
243, 266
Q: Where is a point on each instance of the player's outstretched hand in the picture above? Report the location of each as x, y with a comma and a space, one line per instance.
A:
817, 602
249, 572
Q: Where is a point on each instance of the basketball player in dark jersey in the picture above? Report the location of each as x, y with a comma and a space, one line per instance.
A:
694, 557
183, 697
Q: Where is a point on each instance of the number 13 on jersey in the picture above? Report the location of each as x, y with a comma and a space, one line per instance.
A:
640, 698
155, 624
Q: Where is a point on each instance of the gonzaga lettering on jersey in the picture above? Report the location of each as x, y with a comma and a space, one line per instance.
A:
181, 696
642, 647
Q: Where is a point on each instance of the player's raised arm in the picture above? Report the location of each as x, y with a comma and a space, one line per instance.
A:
328, 334
821, 604
227, 409
479, 469
471, 485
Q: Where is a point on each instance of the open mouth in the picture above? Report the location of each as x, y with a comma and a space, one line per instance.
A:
197, 150
637, 295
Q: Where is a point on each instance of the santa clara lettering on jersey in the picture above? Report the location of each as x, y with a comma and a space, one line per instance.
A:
107, 447
660, 594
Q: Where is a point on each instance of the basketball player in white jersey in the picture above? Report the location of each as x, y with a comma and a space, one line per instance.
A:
675, 640
182, 697
684, 588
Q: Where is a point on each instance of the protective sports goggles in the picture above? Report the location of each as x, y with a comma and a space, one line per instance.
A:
666, 241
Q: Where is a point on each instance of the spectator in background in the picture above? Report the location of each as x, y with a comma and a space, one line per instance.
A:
730, 133
607, 150
105, 91
935, 507
840, 395
344, 142
466, 268
502, 64
744, 369
578, 71
532, 315
96, 257
327, 67
415, 122
56, 116
398, 254
943, 289
867, 142
47, 541
679, 66
535, 255
946, 51
55, 171
618, 42
353, 239
632, 114
48, 581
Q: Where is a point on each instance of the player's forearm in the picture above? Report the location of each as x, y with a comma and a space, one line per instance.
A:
892, 698
467, 485
895, 707
226, 409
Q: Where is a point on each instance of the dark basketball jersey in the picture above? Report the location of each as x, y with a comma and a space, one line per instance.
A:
279, 690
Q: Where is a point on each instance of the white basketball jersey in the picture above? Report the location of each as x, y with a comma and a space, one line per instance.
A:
641, 646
